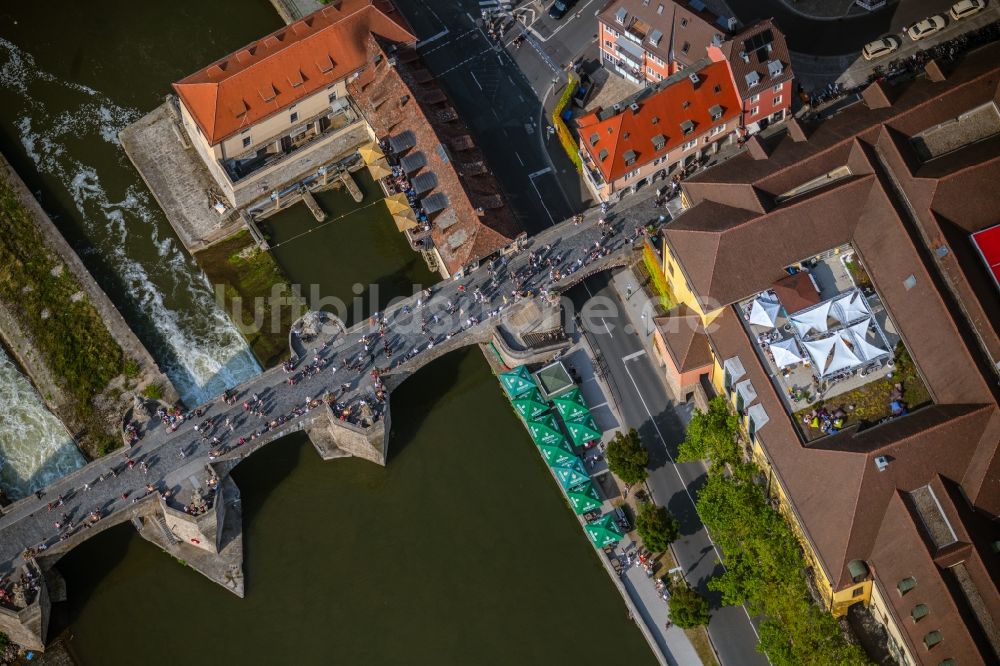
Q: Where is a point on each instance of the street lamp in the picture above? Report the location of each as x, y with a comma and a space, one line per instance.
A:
628, 292
645, 324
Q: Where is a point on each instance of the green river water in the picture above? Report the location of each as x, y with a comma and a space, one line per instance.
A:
460, 551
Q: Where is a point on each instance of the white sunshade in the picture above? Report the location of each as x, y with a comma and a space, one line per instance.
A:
862, 348
765, 310
851, 307
786, 352
843, 357
819, 352
814, 319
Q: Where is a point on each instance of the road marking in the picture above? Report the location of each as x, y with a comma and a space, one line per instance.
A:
476, 80
541, 200
432, 38
634, 355
518, 158
540, 172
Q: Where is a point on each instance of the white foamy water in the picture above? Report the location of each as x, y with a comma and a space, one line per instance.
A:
35, 448
70, 133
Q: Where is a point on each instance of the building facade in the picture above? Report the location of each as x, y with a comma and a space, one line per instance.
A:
895, 508
278, 109
659, 130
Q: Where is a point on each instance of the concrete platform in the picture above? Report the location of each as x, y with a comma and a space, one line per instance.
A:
178, 179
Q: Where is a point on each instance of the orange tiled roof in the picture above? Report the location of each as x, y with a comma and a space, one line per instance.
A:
292, 63
659, 113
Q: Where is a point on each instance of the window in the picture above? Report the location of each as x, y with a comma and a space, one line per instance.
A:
751, 427
778, 87
910, 282
932, 638
333, 97
246, 142
777, 100
631, 174
611, 31
690, 144
754, 111
919, 612
659, 77
717, 89
609, 43
629, 157
684, 22
755, 98
685, 48
659, 9
858, 591
717, 130
670, 269
649, 70
906, 584
294, 117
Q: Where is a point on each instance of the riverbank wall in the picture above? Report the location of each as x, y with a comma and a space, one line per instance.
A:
117, 395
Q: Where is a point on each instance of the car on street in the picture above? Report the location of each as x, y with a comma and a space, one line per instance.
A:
965, 8
559, 9
880, 47
926, 28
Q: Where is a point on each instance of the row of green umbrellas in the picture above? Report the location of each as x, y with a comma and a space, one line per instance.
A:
555, 449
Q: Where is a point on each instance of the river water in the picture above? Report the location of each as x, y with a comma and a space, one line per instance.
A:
460, 550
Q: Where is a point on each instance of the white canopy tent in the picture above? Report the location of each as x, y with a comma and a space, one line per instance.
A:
786, 352
764, 311
843, 358
812, 320
859, 338
851, 307
819, 352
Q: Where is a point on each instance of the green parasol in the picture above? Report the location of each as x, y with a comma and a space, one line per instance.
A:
530, 405
543, 430
583, 432
557, 455
605, 531
571, 474
584, 498
517, 381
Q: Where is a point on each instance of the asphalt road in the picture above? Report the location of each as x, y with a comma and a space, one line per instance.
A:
840, 36
645, 405
497, 102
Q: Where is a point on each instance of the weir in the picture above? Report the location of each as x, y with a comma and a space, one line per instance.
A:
174, 484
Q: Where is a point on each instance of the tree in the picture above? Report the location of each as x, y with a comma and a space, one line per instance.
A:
712, 435
656, 526
627, 458
688, 609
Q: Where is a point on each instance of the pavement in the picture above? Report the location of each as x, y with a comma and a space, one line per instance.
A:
637, 385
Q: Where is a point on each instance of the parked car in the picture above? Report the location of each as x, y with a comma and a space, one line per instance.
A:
880, 47
926, 28
965, 8
559, 8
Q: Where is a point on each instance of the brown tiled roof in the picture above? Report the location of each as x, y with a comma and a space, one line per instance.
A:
750, 52
676, 21
737, 239
796, 292
685, 339
290, 64
476, 222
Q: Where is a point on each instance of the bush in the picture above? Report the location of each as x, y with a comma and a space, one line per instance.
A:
131, 368
153, 392
627, 458
688, 609
656, 526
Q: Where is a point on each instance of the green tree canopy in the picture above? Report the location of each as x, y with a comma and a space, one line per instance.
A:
627, 457
688, 609
657, 528
712, 435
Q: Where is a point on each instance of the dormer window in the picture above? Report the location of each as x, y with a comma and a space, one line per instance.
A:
717, 89
919, 612
621, 15
603, 155
594, 138
659, 141
687, 127
685, 48
685, 104
715, 112
906, 585
629, 157
654, 120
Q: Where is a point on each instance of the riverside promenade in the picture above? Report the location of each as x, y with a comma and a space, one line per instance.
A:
173, 484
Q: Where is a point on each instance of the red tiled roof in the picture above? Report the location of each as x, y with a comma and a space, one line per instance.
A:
750, 52
289, 64
685, 339
796, 292
476, 221
659, 114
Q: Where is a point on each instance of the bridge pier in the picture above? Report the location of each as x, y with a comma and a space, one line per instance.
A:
334, 438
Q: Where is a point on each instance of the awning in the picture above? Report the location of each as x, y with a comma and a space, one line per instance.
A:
571, 474
746, 391
843, 358
380, 169
734, 366
558, 455
764, 311
517, 381
529, 405
758, 415
584, 431
851, 307
859, 338
786, 352
371, 153
605, 532
584, 498
819, 352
